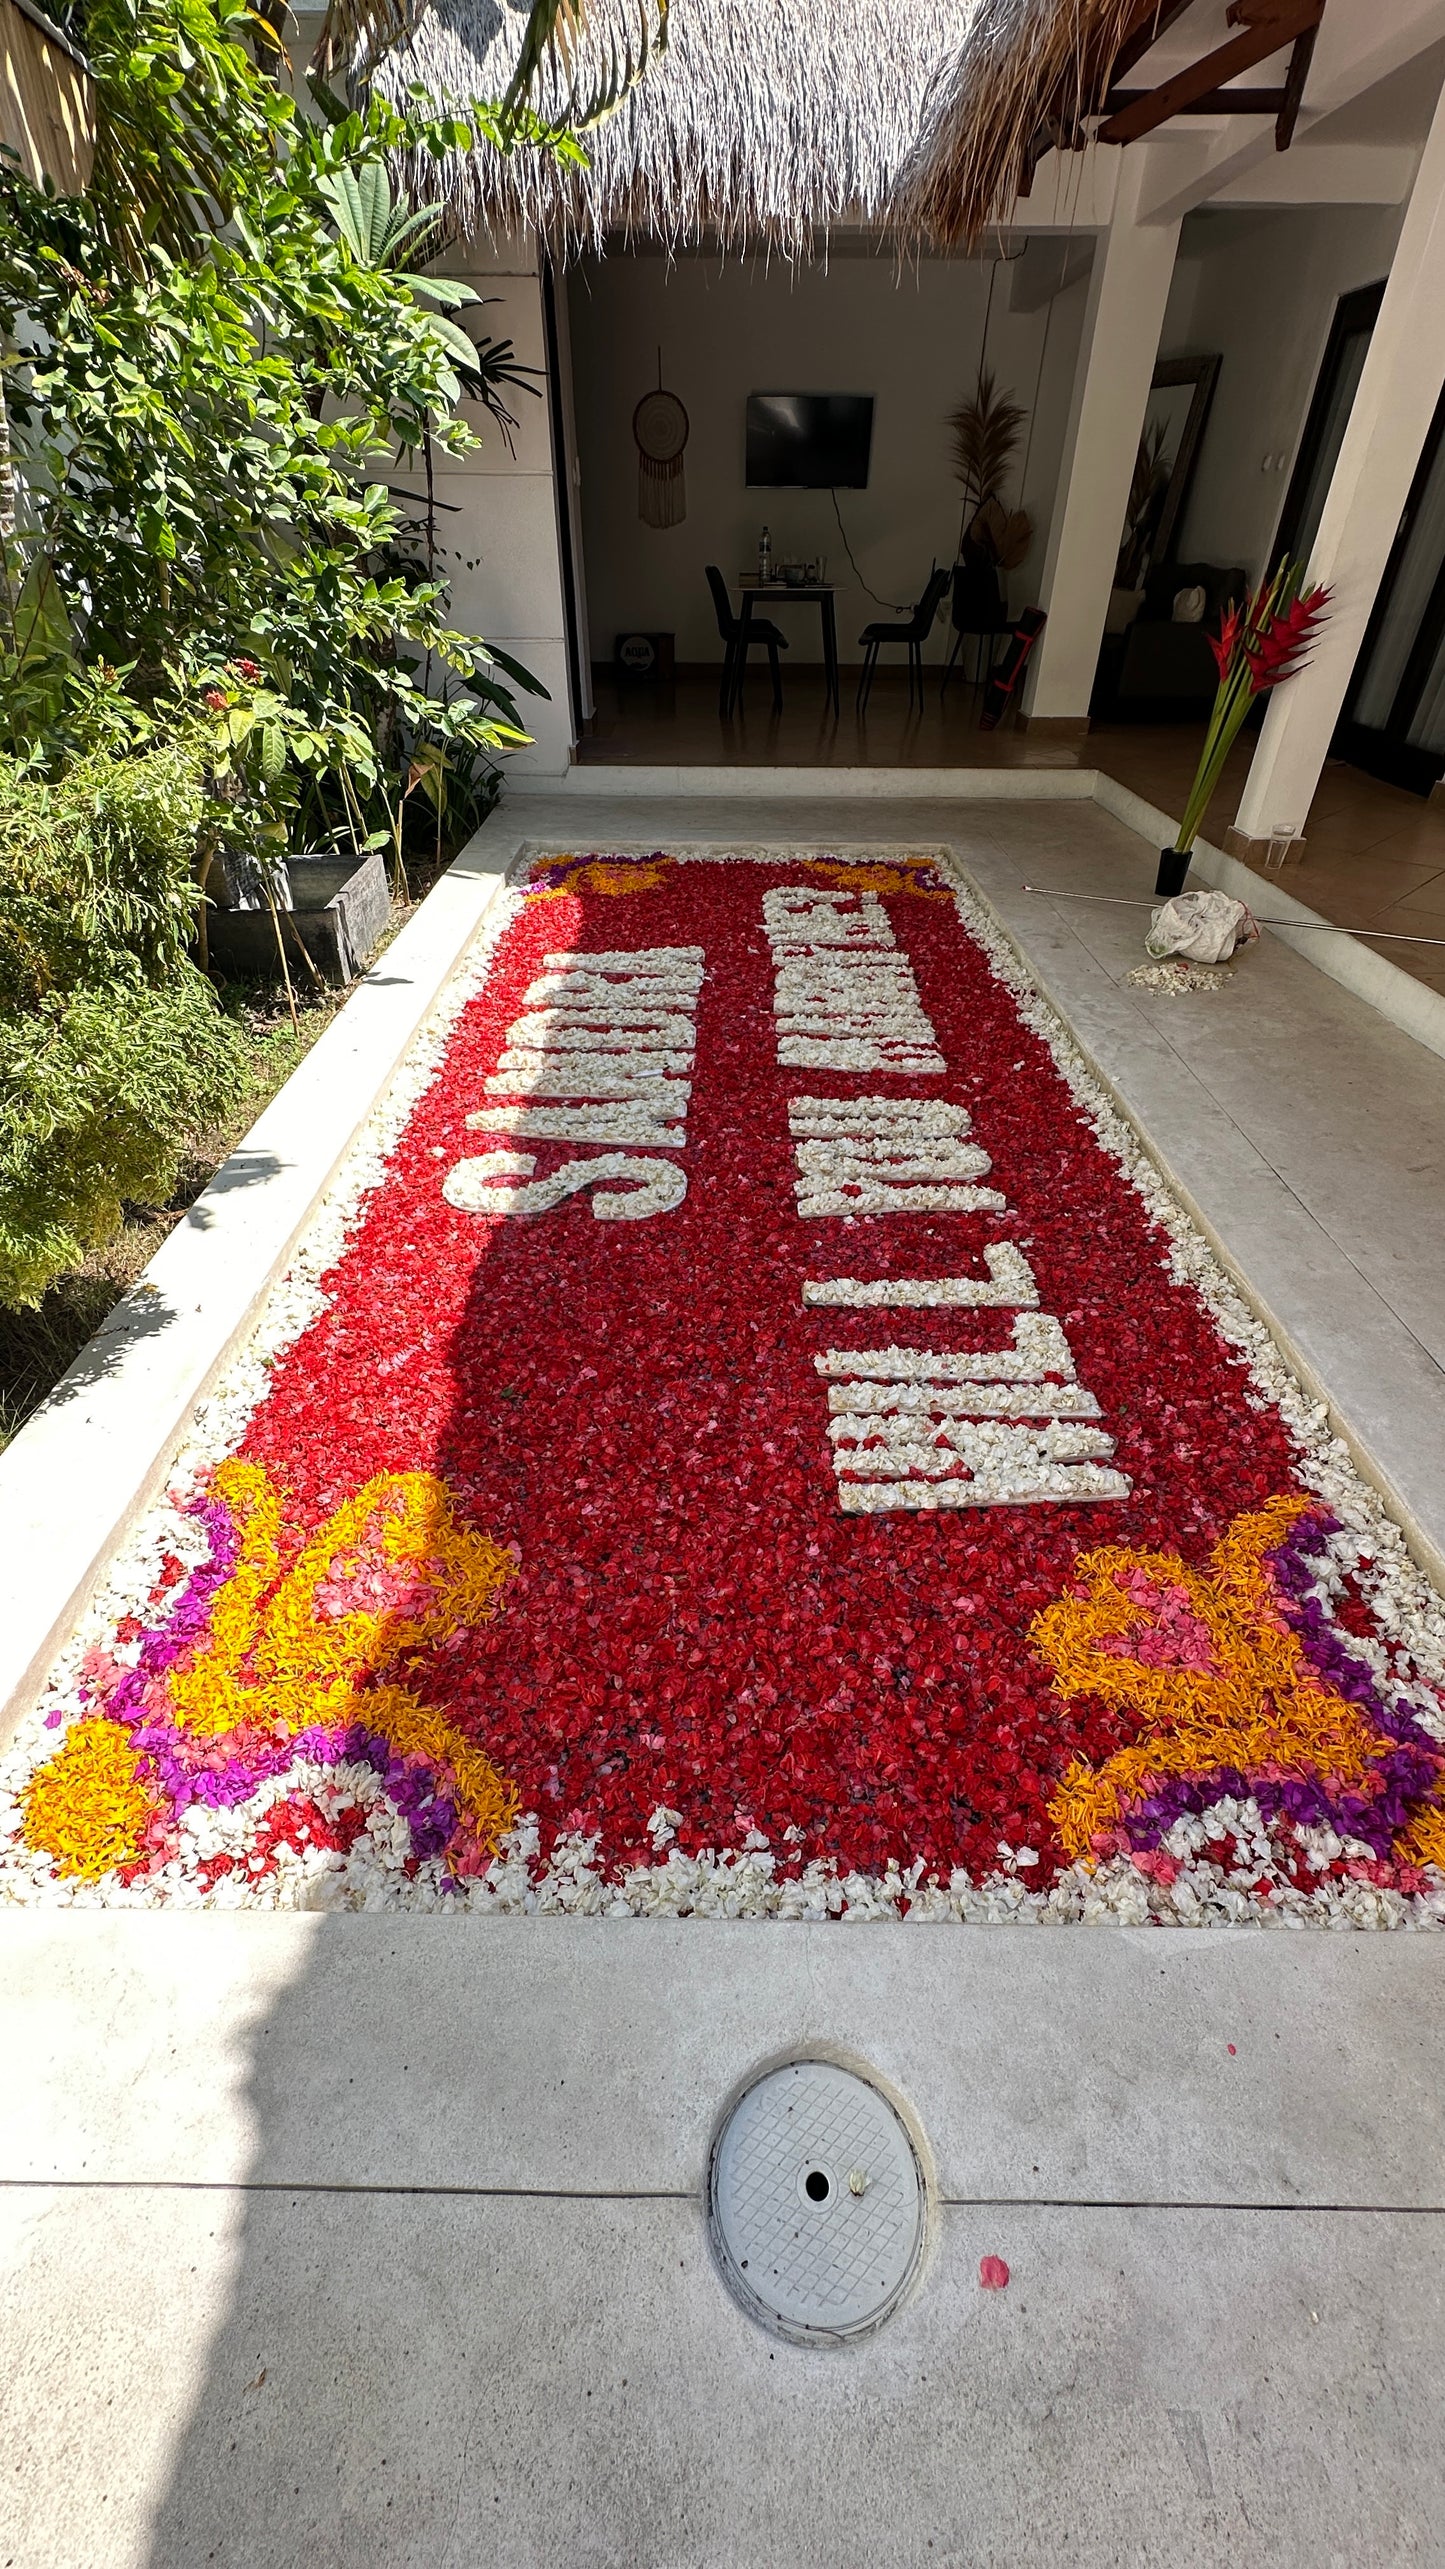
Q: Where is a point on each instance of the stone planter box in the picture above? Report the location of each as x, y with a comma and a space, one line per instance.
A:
339, 909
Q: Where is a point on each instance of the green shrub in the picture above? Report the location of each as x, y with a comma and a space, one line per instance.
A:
97, 1089
111, 1042
97, 867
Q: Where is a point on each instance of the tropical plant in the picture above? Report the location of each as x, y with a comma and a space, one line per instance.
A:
1258, 646
985, 432
214, 611
585, 81
110, 1041
212, 361
378, 232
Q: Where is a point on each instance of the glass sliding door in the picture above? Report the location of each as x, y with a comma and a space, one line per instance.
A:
1427, 727
1335, 388
1393, 722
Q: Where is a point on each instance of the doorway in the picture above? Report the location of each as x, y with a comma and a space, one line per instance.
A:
1335, 387
1393, 721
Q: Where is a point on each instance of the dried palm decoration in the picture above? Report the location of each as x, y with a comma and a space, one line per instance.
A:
985, 434
1147, 485
1030, 73
1004, 534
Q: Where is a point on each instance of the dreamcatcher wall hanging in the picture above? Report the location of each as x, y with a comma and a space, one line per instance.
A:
660, 427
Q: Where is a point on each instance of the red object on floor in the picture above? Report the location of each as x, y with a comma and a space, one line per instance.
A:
1003, 681
992, 2273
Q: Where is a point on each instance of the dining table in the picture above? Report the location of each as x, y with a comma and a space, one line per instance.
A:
792, 593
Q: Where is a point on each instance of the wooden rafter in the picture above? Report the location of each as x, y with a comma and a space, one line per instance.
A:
1266, 27
1214, 102
1294, 86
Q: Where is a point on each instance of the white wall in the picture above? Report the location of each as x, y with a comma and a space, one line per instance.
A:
728, 329
498, 525
1261, 289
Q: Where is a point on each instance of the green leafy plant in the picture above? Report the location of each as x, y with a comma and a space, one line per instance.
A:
111, 1041
214, 365
221, 620
96, 1087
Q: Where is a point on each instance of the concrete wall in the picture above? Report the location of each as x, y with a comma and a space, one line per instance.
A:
726, 330
501, 547
1261, 290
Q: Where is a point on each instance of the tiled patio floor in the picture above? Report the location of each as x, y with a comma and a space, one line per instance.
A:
1375, 856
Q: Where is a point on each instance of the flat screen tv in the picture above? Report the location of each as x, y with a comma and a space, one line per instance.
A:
812, 441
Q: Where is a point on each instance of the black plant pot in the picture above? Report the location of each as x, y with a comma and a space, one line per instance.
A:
977, 593
1172, 870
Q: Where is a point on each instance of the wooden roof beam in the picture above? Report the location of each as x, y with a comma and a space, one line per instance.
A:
1215, 102
1294, 88
1272, 25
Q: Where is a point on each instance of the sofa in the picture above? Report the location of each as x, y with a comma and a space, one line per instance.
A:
1157, 670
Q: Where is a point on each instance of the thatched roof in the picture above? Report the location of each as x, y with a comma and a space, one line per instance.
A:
766, 122
1031, 76
763, 124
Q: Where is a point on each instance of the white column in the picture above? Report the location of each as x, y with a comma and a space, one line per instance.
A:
1389, 420
1133, 270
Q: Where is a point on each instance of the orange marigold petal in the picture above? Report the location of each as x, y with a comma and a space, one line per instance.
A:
1423, 1842
86, 1808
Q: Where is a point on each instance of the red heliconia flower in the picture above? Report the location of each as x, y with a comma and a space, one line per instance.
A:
1224, 649
1282, 643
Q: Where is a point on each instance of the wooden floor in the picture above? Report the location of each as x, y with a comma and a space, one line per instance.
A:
1374, 861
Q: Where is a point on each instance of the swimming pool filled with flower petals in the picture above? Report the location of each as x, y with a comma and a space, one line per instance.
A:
756, 1437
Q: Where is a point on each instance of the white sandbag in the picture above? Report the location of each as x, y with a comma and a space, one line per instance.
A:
1204, 926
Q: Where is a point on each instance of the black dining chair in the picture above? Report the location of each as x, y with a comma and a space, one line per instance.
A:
978, 614
739, 633
914, 631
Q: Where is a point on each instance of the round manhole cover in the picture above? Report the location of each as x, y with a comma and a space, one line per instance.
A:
816, 2202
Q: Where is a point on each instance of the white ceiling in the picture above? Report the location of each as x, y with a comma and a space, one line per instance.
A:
1397, 110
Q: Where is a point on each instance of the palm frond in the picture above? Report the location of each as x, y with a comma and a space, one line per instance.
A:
357, 35
985, 433
551, 58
